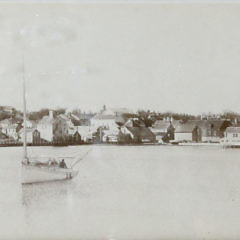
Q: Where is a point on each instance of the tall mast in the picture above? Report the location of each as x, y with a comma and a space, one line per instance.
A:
24, 116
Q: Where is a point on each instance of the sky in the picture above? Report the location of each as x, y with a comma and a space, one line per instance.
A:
162, 57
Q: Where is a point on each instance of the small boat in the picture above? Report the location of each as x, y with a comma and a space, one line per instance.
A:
32, 173
33, 169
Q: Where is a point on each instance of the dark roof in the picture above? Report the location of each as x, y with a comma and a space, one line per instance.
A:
162, 125
186, 127
214, 124
142, 132
217, 124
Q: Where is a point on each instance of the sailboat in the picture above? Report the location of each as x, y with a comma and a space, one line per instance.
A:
33, 169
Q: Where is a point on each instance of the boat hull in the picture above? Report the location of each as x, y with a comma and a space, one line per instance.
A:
37, 174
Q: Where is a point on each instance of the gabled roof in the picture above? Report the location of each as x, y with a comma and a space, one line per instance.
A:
161, 125
213, 124
186, 127
217, 123
64, 117
142, 132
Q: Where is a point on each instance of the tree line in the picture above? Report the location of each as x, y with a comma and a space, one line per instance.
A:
142, 116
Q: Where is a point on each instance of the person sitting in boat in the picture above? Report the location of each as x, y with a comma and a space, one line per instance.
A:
62, 164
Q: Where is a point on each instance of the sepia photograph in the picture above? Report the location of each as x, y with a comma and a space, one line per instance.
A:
119, 119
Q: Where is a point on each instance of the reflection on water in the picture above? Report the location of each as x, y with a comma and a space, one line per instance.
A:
126, 192
33, 193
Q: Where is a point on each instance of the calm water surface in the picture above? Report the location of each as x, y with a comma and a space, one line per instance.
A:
126, 192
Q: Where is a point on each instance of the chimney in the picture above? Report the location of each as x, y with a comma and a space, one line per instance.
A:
51, 114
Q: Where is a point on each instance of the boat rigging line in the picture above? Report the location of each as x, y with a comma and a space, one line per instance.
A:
81, 158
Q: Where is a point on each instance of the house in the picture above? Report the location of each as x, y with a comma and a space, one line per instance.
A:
9, 128
232, 137
81, 119
4, 139
45, 127
137, 135
55, 129
60, 131
105, 119
29, 135
108, 122
163, 130
206, 130
187, 131
110, 136
86, 133
70, 127
110, 118
213, 129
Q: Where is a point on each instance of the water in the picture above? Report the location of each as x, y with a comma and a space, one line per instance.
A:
126, 192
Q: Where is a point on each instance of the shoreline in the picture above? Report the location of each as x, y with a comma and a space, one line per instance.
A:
199, 144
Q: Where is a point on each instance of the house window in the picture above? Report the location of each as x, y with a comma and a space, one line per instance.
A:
235, 135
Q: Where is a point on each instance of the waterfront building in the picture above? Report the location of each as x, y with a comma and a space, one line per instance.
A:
10, 130
86, 133
29, 135
108, 121
213, 129
61, 130
187, 131
45, 127
130, 134
163, 130
206, 130
106, 118
232, 137
4, 138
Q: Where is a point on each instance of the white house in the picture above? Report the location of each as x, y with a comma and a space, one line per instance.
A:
29, 135
11, 131
185, 131
70, 126
86, 132
106, 118
232, 137
45, 127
